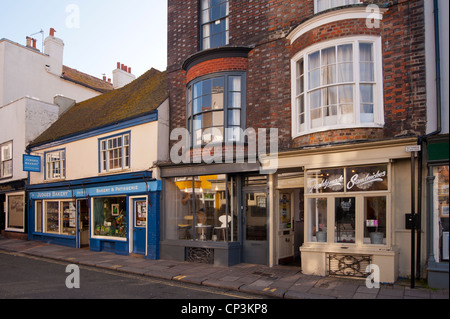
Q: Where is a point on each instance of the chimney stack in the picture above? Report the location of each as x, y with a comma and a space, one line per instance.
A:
122, 76
54, 48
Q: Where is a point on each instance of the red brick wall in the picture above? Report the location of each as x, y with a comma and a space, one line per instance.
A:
216, 65
264, 25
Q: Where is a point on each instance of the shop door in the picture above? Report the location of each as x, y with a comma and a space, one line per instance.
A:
139, 225
255, 244
83, 215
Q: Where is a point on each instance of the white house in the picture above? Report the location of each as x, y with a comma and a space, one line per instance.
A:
97, 186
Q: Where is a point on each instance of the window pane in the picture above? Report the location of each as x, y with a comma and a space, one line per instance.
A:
375, 220
317, 209
52, 217
234, 100
345, 220
69, 224
38, 216
234, 117
234, 83
217, 118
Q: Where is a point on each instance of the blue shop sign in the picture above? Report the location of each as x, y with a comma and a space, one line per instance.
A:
31, 163
125, 189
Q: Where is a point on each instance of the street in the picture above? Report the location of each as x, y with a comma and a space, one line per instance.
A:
25, 277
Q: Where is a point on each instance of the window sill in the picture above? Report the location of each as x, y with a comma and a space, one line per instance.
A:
348, 248
119, 171
338, 127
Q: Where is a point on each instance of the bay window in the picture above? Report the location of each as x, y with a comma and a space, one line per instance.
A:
338, 85
216, 108
348, 205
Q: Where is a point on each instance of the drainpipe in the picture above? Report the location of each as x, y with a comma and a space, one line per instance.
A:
422, 139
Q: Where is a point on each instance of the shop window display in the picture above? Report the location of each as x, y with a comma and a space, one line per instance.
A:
441, 212
357, 202
60, 218
110, 217
202, 208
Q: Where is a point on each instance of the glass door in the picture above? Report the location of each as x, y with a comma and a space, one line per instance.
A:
255, 244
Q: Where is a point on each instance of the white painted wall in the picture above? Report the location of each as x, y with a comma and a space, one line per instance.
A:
82, 156
21, 121
24, 72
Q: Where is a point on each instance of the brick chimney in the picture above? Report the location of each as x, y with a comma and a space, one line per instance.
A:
122, 76
54, 48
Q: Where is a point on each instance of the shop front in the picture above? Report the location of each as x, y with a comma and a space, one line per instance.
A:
118, 214
216, 214
344, 209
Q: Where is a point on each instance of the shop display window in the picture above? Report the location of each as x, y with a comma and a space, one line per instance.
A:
38, 216
375, 220
15, 213
60, 217
202, 208
355, 200
441, 212
345, 214
317, 208
110, 217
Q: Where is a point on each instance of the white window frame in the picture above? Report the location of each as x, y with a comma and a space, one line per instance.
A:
333, 4
378, 89
105, 150
3, 158
51, 159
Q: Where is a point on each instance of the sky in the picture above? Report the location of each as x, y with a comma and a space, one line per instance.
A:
96, 33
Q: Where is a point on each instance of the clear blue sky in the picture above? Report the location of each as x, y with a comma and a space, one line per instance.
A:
97, 33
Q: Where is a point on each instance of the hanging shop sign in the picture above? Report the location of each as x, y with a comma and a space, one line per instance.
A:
31, 163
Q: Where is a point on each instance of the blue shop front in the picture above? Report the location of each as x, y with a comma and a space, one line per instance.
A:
119, 214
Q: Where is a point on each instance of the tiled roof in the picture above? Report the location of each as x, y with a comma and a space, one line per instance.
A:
140, 97
87, 80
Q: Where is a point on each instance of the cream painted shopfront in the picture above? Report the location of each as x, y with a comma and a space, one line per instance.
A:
351, 202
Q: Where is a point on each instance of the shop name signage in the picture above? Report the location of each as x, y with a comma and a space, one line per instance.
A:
368, 179
334, 184
98, 191
356, 179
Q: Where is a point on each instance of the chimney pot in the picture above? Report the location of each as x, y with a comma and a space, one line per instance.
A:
28, 42
118, 65
129, 70
52, 32
34, 43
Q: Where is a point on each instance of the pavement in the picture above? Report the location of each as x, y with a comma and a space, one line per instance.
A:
285, 282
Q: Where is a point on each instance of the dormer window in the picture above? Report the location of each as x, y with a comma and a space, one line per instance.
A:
322, 5
214, 23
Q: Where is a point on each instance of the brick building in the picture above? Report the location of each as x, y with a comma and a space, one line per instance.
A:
343, 85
